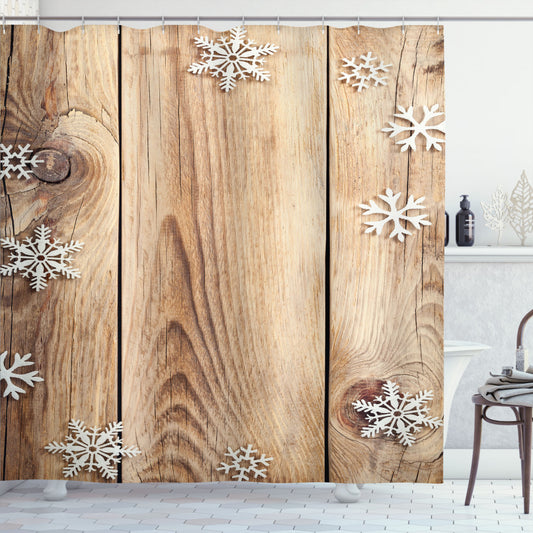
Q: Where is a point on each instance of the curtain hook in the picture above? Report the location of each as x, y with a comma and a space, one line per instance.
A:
118, 25
278, 24
82, 25
438, 25
163, 24
4, 24
403, 25
323, 24
198, 24
243, 26
358, 30
38, 24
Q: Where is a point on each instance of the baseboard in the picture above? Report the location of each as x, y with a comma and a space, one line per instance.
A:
6, 486
493, 464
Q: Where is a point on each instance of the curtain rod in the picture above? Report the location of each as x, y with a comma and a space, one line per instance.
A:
275, 19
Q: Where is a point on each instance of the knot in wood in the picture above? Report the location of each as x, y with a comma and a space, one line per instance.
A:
54, 168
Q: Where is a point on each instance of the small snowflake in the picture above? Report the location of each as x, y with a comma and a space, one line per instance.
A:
232, 59
364, 71
17, 162
92, 449
245, 463
40, 258
394, 214
396, 414
8, 374
417, 128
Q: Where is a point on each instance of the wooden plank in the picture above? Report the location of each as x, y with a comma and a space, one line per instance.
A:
223, 258
62, 96
386, 296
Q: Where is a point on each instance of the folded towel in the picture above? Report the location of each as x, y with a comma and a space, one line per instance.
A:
514, 387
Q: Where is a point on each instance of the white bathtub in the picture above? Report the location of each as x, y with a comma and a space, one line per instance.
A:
457, 355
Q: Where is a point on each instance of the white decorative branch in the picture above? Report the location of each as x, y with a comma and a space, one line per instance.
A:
497, 212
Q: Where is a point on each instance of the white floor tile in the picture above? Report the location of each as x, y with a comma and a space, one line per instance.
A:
249, 507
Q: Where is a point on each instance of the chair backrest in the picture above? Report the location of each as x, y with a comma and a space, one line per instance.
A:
520, 351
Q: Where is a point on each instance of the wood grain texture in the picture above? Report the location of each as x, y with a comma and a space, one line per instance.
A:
223, 258
386, 296
58, 94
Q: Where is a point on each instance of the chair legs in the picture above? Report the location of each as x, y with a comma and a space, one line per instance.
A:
526, 473
524, 417
520, 428
475, 453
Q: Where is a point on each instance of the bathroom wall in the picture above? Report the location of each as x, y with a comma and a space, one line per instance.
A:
484, 302
489, 79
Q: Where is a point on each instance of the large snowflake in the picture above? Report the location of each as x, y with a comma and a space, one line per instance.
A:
364, 71
416, 128
19, 163
92, 449
9, 374
394, 214
40, 258
232, 58
398, 415
245, 463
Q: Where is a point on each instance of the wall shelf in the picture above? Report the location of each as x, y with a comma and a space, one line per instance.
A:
489, 254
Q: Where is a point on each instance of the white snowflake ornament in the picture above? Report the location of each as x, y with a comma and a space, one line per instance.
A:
9, 374
397, 415
364, 71
40, 258
245, 464
92, 449
232, 58
416, 128
394, 214
17, 163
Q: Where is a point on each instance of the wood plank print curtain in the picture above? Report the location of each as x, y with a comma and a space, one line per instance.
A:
229, 295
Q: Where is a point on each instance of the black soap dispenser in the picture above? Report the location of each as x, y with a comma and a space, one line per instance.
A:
464, 224
446, 235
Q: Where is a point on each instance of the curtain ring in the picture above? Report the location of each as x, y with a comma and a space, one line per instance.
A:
243, 26
82, 25
38, 24
403, 25
438, 25
198, 24
358, 30
323, 24
118, 25
278, 24
4, 24
163, 24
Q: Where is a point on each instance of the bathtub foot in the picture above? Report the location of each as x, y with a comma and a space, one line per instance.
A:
55, 490
347, 492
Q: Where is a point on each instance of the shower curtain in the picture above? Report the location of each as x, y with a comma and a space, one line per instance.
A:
209, 276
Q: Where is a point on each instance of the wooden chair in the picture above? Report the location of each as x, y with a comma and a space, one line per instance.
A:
523, 422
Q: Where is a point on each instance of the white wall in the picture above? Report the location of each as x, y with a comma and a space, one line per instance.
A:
484, 302
489, 102
19, 8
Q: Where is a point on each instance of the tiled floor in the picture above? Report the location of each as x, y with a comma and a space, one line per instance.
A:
247, 507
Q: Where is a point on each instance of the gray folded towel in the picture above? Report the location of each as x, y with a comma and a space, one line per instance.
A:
514, 387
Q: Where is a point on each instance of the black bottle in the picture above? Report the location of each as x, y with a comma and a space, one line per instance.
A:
464, 224
446, 236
